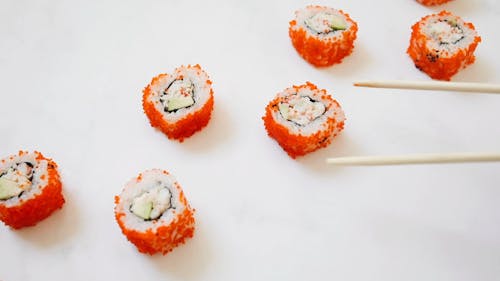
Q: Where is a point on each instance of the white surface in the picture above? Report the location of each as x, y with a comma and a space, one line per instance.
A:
72, 74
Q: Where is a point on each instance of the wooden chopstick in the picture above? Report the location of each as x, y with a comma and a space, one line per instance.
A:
432, 85
415, 159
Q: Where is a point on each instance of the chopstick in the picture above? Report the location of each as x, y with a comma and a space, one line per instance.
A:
432, 85
415, 159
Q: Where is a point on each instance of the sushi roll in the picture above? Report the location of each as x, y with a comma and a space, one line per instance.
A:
30, 189
153, 212
181, 103
442, 44
323, 36
432, 2
303, 119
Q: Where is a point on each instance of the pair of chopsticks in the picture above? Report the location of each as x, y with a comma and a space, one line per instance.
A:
423, 158
432, 85
415, 159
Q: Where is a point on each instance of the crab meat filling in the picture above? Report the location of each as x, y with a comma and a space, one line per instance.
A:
179, 94
15, 180
152, 204
301, 110
446, 32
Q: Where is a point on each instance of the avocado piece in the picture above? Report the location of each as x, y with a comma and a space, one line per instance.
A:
283, 108
142, 209
9, 189
337, 23
179, 102
452, 22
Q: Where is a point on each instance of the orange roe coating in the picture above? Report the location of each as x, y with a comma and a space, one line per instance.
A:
322, 52
296, 145
432, 2
439, 67
37, 208
165, 238
184, 127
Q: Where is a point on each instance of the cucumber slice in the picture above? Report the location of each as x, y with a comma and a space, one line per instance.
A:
179, 102
337, 23
284, 109
142, 209
9, 189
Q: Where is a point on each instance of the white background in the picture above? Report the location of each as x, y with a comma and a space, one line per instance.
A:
72, 73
